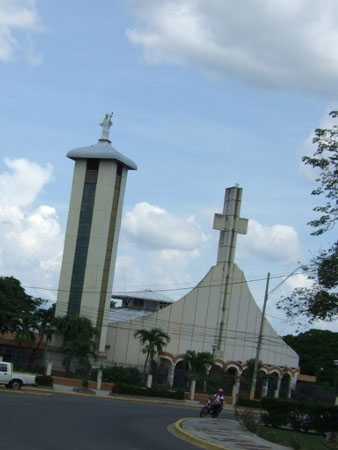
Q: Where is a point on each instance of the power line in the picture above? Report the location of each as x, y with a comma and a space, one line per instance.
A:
253, 280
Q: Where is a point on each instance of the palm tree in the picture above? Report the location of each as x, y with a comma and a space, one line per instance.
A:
153, 342
25, 329
250, 367
45, 324
78, 340
197, 363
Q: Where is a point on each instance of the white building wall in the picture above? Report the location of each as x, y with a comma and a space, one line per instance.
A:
106, 213
244, 323
192, 325
70, 238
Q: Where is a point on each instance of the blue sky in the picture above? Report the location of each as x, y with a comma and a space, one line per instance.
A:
204, 95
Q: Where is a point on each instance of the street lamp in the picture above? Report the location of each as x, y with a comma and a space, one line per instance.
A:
214, 348
335, 362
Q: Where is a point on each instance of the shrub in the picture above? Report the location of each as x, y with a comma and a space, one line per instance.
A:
248, 403
277, 414
119, 374
249, 419
300, 415
154, 391
44, 380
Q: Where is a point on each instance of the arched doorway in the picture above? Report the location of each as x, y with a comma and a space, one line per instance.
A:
230, 379
245, 384
216, 379
181, 376
161, 372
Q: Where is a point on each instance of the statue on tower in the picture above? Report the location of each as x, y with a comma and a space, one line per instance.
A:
106, 124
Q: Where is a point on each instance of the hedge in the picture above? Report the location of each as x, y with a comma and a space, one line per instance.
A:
120, 374
300, 416
248, 403
154, 391
44, 380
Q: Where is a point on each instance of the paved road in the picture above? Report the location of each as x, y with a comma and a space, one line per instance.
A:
69, 423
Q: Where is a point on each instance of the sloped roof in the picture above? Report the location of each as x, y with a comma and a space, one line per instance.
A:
102, 150
125, 314
143, 295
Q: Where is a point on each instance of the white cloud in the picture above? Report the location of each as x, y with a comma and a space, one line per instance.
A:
166, 270
31, 240
18, 15
163, 248
298, 281
20, 187
278, 244
154, 228
284, 43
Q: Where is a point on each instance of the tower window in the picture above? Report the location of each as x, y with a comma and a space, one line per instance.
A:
92, 170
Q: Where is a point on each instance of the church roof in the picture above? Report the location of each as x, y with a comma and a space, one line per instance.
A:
125, 314
102, 150
144, 295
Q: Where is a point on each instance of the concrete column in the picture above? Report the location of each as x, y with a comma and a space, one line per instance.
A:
289, 389
276, 394
99, 379
171, 374
1, 358
192, 389
49, 368
235, 390
149, 380
265, 388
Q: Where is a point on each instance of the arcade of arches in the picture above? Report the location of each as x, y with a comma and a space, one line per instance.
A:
234, 378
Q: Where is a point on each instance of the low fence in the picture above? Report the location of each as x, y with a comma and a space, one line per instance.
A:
35, 361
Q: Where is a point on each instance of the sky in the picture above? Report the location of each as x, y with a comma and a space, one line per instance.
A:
205, 95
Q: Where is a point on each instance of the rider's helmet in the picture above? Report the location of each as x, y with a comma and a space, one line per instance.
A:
220, 391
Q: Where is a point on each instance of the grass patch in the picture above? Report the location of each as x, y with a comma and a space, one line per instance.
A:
297, 441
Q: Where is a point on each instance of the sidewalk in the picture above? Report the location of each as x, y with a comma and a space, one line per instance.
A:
218, 433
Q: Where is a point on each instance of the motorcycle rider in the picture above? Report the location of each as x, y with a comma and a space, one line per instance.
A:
219, 399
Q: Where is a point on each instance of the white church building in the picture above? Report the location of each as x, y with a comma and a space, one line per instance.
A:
219, 315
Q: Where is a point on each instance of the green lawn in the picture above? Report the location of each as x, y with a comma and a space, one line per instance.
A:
297, 441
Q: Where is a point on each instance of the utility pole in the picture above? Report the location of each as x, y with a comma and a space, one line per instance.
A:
259, 342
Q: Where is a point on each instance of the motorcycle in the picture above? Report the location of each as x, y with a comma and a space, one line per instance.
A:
210, 408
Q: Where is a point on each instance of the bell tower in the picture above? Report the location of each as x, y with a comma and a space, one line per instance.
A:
93, 227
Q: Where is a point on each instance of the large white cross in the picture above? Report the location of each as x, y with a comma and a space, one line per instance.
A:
230, 224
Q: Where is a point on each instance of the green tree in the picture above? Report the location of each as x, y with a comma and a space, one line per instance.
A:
316, 349
78, 341
153, 342
251, 366
25, 329
16, 307
197, 363
320, 301
45, 324
325, 159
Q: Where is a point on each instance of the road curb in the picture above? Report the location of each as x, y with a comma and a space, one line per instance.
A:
24, 392
183, 434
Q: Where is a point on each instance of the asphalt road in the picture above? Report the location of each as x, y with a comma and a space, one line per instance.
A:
69, 423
